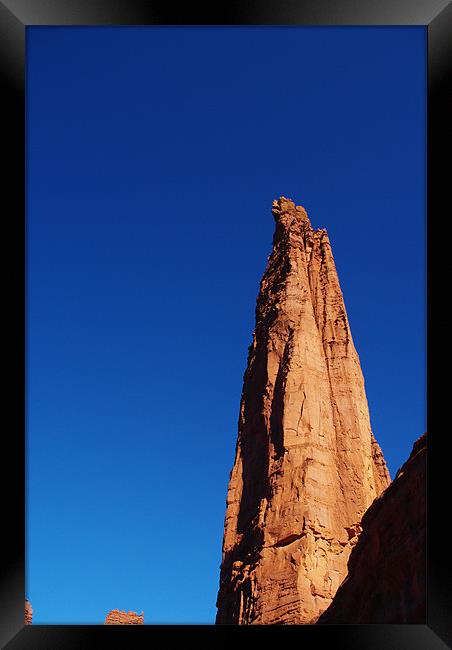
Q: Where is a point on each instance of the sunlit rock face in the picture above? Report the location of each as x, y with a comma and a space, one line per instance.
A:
307, 466
117, 617
28, 613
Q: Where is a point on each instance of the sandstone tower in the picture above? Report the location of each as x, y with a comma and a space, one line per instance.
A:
307, 466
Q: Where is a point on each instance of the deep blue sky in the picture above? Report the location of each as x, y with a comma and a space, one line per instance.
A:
153, 157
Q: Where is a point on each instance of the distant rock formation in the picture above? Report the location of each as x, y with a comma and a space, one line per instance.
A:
117, 617
28, 612
307, 466
386, 580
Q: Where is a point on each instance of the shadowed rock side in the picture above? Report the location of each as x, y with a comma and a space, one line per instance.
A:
307, 466
116, 617
386, 580
28, 613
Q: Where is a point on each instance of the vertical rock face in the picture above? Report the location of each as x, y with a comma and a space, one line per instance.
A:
307, 466
28, 613
386, 581
116, 617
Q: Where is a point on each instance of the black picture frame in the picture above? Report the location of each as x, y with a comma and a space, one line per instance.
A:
15, 17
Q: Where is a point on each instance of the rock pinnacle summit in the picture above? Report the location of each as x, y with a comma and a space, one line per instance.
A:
307, 465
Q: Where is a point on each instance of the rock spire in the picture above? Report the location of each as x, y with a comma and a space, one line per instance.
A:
307, 465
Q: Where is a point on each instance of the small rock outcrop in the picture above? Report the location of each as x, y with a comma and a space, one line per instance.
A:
28, 612
117, 617
307, 465
386, 581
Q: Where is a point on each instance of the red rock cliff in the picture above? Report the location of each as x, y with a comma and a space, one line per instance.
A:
307, 466
386, 580
116, 617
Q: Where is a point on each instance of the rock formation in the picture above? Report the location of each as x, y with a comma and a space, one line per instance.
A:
307, 466
386, 580
116, 617
28, 613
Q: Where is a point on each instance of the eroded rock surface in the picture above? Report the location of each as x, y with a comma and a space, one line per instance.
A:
307, 466
28, 612
117, 617
386, 581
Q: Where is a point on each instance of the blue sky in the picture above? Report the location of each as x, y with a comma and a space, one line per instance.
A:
153, 156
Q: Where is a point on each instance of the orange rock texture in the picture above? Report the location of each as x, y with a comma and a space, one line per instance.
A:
386, 580
307, 465
117, 617
28, 613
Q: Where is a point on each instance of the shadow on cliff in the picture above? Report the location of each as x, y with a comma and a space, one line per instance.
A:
386, 581
256, 440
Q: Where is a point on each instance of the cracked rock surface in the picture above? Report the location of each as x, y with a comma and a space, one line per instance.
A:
307, 465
